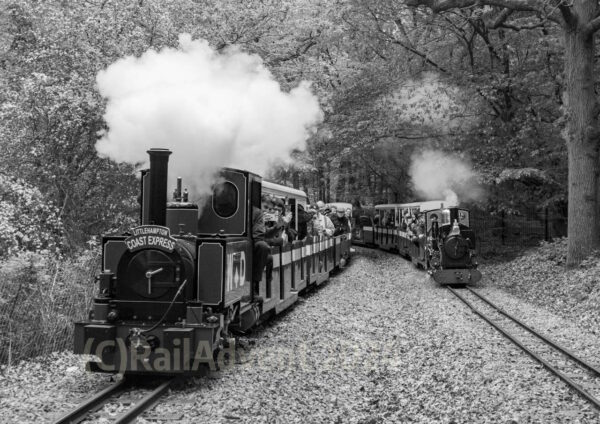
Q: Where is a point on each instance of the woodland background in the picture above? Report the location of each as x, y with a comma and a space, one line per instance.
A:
392, 81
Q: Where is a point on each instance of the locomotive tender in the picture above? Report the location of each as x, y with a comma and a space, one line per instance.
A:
173, 289
445, 244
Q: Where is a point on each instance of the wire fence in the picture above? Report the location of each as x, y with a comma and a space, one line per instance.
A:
523, 228
39, 300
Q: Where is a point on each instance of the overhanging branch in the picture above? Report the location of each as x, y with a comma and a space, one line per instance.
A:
559, 13
593, 26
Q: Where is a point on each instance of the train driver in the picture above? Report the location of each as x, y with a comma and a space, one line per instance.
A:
261, 251
434, 230
349, 218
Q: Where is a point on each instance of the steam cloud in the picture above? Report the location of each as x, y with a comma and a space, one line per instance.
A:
437, 175
211, 109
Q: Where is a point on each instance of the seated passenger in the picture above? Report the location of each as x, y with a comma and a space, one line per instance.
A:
304, 218
334, 218
323, 224
275, 226
410, 227
341, 223
385, 220
332, 212
289, 225
311, 226
349, 218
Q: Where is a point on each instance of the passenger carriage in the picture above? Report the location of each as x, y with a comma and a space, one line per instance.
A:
389, 229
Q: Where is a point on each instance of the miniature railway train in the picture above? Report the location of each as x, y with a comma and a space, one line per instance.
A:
173, 289
437, 238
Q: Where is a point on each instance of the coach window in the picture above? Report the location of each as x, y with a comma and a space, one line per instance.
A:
225, 199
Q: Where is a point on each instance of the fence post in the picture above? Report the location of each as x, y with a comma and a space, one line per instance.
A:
502, 225
546, 227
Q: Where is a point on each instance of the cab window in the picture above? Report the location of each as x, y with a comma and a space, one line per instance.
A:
225, 199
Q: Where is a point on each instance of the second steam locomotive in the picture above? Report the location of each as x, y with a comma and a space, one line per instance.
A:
437, 238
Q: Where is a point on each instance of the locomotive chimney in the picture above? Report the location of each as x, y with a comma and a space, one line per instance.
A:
159, 168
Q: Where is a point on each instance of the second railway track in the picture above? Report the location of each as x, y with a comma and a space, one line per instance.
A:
581, 375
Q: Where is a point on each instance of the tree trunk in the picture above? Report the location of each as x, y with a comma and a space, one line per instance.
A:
582, 143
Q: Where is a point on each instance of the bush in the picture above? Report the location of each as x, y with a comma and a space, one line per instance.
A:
40, 297
28, 222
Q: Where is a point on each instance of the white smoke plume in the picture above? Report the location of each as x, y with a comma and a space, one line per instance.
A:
211, 109
438, 175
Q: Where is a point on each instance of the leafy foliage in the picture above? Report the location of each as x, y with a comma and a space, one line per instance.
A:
392, 81
28, 221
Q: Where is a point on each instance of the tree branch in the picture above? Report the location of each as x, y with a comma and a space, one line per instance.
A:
443, 5
522, 27
592, 26
420, 54
515, 5
500, 19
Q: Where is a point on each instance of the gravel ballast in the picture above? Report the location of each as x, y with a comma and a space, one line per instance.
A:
381, 342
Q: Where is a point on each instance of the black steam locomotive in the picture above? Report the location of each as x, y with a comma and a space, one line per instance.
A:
173, 289
434, 237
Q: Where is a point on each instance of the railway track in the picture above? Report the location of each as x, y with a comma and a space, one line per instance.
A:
581, 375
124, 391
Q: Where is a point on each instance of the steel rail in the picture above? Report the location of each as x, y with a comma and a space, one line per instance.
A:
552, 343
84, 408
589, 397
145, 403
